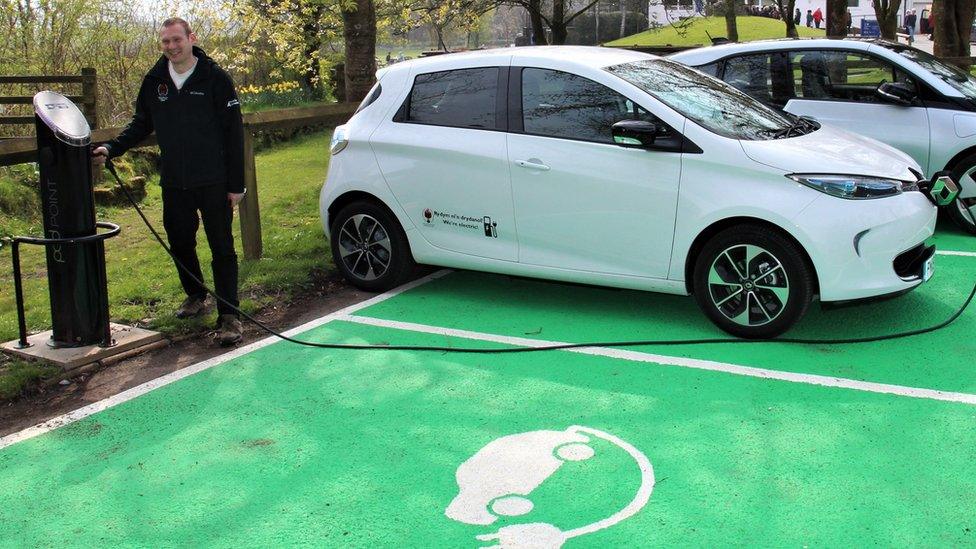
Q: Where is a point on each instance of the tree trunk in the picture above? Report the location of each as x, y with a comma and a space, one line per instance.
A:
558, 25
836, 18
786, 12
597, 24
359, 32
559, 33
887, 13
623, 18
953, 24
440, 38
731, 29
538, 29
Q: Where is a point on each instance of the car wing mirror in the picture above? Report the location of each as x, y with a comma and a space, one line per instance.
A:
639, 134
898, 93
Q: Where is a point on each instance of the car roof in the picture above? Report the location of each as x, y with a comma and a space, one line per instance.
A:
708, 54
580, 56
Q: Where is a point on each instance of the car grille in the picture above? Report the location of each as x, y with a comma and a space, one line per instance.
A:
908, 264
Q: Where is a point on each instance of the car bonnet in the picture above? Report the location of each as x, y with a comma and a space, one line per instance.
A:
834, 151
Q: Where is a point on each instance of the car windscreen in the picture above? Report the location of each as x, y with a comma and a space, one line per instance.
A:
708, 101
959, 79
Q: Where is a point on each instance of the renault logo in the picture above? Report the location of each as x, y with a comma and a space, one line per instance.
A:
944, 190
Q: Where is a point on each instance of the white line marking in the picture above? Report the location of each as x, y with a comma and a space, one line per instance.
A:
809, 379
950, 252
154, 384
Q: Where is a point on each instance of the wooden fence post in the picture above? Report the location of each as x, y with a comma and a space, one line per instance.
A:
89, 94
250, 214
89, 102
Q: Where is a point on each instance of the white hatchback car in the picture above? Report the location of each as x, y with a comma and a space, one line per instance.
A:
620, 169
894, 93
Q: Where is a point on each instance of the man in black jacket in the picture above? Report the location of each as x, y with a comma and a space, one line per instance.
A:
191, 104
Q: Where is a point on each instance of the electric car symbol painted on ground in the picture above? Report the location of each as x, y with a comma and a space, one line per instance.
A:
498, 480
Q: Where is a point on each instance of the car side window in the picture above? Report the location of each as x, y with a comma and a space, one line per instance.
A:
760, 76
842, 75
710, 69
464, 98
560, 104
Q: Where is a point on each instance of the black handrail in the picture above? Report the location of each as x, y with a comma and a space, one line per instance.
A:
113, 230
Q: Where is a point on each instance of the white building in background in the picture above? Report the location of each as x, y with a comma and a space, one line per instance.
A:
664, 12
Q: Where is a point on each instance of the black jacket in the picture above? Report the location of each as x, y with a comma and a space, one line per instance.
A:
199, 128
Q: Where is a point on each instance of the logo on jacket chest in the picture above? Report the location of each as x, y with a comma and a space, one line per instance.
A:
163, 91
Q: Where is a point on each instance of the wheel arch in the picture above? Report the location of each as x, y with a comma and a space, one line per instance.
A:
715, 228
951, 164
347, 198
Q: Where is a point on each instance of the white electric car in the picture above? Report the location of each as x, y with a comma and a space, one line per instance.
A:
620, 169
894, 93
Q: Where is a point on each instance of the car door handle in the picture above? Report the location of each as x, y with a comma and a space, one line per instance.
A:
532, 164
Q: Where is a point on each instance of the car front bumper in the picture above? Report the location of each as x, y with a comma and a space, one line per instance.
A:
869, 248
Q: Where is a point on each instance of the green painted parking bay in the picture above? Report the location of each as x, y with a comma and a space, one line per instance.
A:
280, 445
538, 310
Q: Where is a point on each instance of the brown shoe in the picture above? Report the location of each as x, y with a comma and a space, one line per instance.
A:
192, 306
230, 330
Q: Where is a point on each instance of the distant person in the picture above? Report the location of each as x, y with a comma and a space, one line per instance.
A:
910, 20
796, 17
810, 18
817, 17
932, 25
389, 57
847, 22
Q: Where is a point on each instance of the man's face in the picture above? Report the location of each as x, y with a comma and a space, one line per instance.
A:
176, 45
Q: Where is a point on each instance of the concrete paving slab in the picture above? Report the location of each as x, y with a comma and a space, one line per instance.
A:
68, 358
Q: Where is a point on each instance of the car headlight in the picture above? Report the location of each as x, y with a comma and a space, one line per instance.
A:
853, 187
339, 140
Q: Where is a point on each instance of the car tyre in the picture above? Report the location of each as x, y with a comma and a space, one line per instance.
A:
963, 210
369, 247
753, 282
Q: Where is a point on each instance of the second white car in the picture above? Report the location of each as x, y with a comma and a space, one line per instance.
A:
891, 92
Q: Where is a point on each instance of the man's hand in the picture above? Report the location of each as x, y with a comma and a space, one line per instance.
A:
233, 199
100, 155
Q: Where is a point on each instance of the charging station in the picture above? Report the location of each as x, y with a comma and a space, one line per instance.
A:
75, 249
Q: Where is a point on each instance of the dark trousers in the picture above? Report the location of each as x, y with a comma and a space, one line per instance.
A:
180, 219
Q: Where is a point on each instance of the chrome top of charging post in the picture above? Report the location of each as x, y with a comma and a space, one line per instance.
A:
63, 117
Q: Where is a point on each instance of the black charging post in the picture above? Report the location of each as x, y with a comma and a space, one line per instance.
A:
74, 247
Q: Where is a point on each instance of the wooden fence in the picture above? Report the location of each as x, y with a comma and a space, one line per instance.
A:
24, 149
87, 101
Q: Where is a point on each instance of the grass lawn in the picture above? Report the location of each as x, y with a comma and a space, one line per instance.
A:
698, 31
143, 286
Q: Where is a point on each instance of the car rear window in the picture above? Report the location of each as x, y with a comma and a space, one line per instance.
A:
464, 98
372, 96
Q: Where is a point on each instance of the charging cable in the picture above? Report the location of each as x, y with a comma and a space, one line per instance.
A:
502, 350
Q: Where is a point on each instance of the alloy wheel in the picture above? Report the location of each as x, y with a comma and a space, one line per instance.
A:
748, 285
966, 207
364, 247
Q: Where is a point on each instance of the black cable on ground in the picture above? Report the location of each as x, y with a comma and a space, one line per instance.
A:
639, 343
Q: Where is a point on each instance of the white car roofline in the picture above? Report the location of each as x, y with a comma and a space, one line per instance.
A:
712, 54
